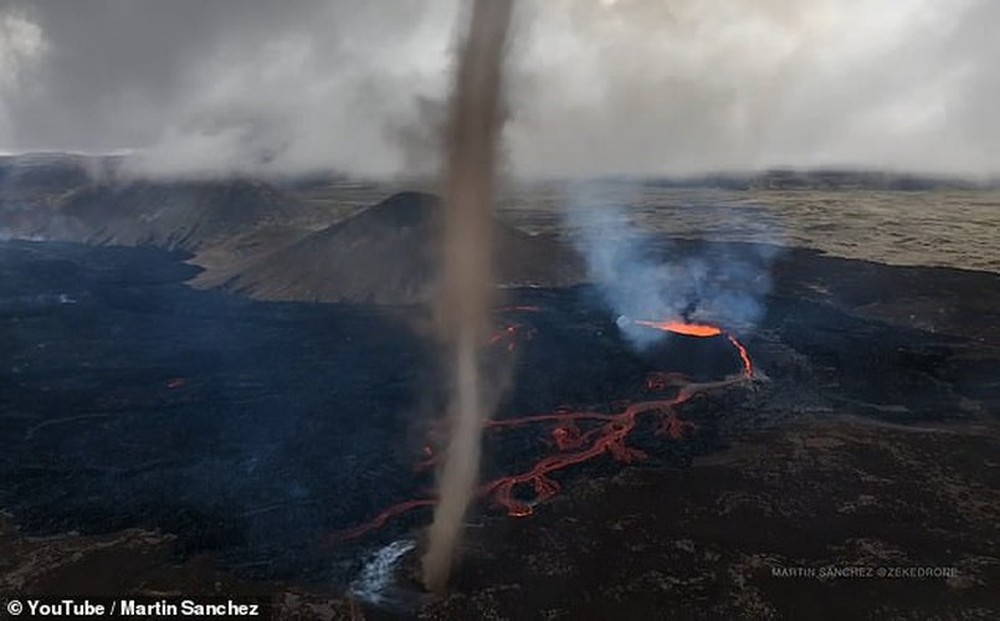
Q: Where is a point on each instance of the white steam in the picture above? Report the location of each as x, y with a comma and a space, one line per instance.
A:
645, 278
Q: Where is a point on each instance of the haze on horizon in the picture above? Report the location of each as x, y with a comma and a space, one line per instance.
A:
597, 86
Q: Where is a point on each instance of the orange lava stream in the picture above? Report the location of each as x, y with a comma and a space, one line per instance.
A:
744, 355
701, 330
609, 438
379, 520
680, 327
573, 446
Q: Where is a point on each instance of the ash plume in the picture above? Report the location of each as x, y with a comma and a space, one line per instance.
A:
463, 309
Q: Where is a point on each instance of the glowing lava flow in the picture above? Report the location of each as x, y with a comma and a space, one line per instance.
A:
577, 447
702, 330
744, 355
511, 334
679, 327
573, 445
379, 520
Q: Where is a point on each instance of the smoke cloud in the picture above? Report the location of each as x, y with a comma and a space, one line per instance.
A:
599, 86
21, 45
643, 278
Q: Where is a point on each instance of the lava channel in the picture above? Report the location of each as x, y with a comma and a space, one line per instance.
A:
572, 445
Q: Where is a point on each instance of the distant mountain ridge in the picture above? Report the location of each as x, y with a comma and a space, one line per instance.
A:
53, 170
175, 215
256, 239
35, 174
182, 215
267, 241
824, 179
88, 198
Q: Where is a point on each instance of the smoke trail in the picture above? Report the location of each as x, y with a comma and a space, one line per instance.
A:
471, 143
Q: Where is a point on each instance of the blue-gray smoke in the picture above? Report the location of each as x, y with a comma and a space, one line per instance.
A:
642, 277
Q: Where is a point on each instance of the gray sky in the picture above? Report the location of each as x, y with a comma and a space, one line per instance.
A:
596, 86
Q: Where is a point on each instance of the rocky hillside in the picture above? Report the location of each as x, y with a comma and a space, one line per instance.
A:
388, 254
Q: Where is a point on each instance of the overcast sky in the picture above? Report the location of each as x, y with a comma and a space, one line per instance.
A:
596, 86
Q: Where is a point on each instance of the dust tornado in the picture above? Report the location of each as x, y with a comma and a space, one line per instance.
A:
473, 132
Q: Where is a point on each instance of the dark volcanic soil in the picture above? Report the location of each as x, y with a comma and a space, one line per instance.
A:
201, 442
711, 541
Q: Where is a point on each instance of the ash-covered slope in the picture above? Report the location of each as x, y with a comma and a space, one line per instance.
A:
170, 214
32, 185
34, 175
387, 254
